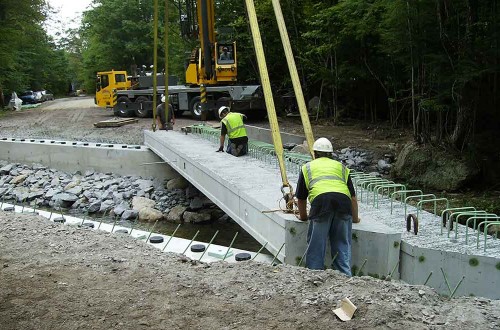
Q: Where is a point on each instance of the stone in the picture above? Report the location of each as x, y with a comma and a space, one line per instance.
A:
433, 168
196, 204
194, 217
106, 206
34, 194
75, 190
175, 214
6, 169
141, 202
89, 173
65, 197
192, 192
51, 192
72, 184
301, 149
18, 179
177, 183
94, 207
150, 214
119, 209
129, 214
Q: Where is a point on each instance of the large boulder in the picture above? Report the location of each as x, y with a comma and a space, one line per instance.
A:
175, 214
194, 217
150, 214
431, 168
177, 183
139, 203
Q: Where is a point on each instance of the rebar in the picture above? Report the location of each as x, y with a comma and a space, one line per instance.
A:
133, 224
151, 232
360, 268
456, 287
230, 246
277, 254
260, 250
114, 223
209, 243
194, 237
171, 236
428, 278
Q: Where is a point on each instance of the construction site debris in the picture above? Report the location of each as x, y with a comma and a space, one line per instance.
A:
115, 122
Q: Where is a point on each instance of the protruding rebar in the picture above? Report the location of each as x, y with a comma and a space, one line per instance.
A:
151, 232
458, 284
133, 224
360, 268
209, 243
194, 237
394, 269
260, 250
446, 280
230, 246
428, 278
171, 236
277, 254
114, 223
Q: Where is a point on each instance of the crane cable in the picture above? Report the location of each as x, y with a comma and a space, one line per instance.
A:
268, 96
167, 100
292, 67
155, 61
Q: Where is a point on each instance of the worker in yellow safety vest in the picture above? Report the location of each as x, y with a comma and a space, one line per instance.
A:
334, 207
232, 126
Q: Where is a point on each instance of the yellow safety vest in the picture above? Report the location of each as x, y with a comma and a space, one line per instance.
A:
325, 175
234, 125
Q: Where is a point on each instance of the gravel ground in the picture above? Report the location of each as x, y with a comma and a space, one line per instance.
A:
54, 276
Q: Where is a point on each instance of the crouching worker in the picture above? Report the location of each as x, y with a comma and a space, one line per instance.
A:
162, 122
334, 208
232, 125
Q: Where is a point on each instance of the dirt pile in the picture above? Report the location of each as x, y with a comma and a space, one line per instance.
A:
54, 276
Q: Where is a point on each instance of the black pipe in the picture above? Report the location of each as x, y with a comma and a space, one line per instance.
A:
207, 58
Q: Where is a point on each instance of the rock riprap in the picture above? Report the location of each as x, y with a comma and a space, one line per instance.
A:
127, 197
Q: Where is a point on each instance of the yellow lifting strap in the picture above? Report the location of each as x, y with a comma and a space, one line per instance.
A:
167, 100
299, 96
266, 85
155, 61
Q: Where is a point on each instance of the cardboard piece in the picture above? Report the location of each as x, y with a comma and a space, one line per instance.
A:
346, 310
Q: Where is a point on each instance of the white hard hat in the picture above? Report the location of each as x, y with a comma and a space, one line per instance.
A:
163, 98
222, 109
323, 145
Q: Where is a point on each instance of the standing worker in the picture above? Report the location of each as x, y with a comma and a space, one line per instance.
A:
334, 208
164, 124
232, 125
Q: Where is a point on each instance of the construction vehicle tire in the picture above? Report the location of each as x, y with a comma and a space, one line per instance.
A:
195, 107
143, 111
121, 108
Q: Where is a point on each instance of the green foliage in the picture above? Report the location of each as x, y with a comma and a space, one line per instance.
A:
29, 59
421, 259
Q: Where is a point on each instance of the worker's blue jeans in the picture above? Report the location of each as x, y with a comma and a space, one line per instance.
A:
233, 149
334, 226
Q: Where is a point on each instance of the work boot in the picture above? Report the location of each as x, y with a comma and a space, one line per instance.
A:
239, 149
233, 149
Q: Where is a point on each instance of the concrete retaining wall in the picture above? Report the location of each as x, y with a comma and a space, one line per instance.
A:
73, 156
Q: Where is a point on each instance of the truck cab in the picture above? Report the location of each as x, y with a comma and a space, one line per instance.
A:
108, 81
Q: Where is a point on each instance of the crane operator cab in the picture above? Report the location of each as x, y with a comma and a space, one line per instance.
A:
225, 66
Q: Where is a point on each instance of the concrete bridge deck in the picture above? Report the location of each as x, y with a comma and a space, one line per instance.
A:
244, 187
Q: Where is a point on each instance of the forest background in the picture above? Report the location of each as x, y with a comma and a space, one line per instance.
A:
429, 65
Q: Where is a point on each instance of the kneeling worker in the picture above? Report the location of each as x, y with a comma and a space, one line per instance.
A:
334, 208
161, 117
232, 125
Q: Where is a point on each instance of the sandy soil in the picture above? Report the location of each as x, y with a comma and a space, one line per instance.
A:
59, 277
54, 276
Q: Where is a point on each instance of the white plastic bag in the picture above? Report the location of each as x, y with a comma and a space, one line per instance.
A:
15, 102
